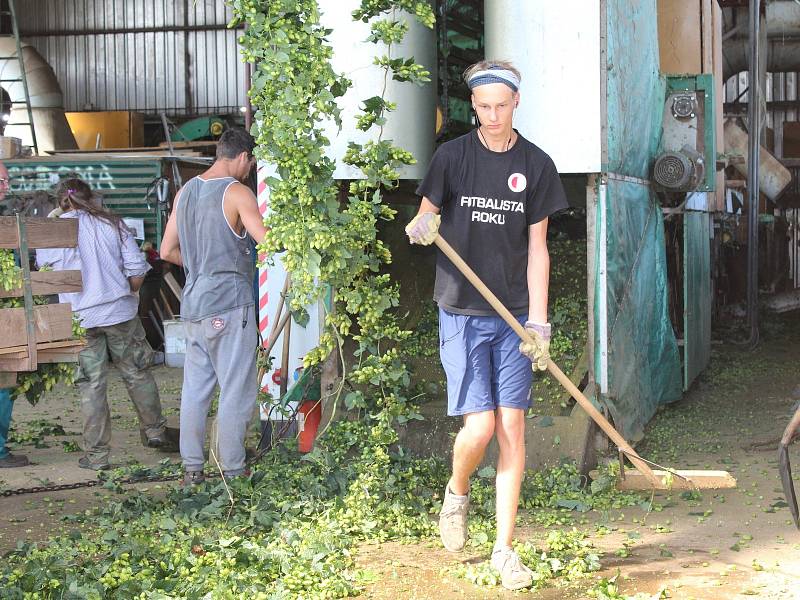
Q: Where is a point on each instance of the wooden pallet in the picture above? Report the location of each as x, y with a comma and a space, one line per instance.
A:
37, 334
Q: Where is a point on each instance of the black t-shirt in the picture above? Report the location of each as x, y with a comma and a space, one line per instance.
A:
487, 201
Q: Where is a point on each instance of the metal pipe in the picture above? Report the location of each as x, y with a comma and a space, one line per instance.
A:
753, 152
248, 82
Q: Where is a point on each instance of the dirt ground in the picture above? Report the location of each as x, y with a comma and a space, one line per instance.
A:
723, 544
54, 458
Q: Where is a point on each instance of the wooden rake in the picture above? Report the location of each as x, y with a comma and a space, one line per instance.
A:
644, 478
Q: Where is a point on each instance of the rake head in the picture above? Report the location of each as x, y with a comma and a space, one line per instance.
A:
785, 469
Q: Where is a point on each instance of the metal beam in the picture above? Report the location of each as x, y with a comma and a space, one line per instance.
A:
124, 30
753, 155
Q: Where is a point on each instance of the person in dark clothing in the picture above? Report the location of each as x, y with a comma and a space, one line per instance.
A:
490, 193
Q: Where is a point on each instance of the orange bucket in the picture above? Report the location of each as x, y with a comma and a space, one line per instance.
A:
312, 411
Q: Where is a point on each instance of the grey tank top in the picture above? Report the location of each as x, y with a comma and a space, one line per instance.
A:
219, 263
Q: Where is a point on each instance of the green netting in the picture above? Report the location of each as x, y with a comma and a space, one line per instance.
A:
644, 368
636, 91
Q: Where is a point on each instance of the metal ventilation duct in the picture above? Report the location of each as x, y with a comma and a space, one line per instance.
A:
52, 129
783, 39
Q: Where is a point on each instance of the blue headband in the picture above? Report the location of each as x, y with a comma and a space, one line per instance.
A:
494, 75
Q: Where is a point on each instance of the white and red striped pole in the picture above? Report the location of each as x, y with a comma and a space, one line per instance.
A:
263, 271
271, 280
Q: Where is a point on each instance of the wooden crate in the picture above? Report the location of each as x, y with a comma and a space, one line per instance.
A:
36, 334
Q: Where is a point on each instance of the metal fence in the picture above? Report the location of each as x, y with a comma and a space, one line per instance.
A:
176, 56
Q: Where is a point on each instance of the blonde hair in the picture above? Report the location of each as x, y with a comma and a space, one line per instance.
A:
485, 65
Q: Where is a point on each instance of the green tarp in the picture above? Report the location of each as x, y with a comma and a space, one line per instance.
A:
643, 363
644, 368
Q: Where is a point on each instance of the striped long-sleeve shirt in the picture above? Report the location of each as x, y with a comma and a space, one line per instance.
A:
105, 262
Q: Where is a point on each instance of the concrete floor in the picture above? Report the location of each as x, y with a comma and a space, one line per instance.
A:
62, 406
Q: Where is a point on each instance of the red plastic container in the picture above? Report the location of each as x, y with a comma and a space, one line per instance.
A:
312, 410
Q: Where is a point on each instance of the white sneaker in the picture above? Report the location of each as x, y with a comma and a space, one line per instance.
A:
453, 521
513, 574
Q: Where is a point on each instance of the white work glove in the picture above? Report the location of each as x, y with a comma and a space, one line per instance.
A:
537, 351
423, 228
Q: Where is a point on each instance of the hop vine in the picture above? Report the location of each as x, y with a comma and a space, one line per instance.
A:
330, 242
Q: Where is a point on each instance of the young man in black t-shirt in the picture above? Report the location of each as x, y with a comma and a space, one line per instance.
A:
490, 193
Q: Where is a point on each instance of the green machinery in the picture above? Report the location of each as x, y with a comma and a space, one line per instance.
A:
198, 129
130, 186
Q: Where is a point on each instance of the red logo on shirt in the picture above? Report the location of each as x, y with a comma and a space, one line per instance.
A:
217, 323
517, 182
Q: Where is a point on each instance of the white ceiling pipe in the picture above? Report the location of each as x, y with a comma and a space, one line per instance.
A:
42, 83
556, 47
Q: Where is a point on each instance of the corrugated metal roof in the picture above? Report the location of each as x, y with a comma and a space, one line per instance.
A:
142, 55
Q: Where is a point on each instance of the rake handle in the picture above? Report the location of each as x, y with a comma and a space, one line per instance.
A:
590, 409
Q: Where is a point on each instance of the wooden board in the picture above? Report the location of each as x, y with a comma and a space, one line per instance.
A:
42, 232
60, 355
19, 351
174, 286
44, 283
111, 153
680, 30
194, 144
578, 373
53, 322
791, 139
16, 359
701, 480
167, 307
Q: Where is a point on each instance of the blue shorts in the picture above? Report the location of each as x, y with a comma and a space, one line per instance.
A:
483, 364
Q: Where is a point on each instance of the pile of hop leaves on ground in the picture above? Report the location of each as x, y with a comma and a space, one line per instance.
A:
607, 589
33, 384
33, 432
566, 557
563, 487
551, 497
292, 529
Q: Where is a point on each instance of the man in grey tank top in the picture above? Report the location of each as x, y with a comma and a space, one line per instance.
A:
207, 234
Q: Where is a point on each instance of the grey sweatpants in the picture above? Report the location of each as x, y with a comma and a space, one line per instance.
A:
220, 349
